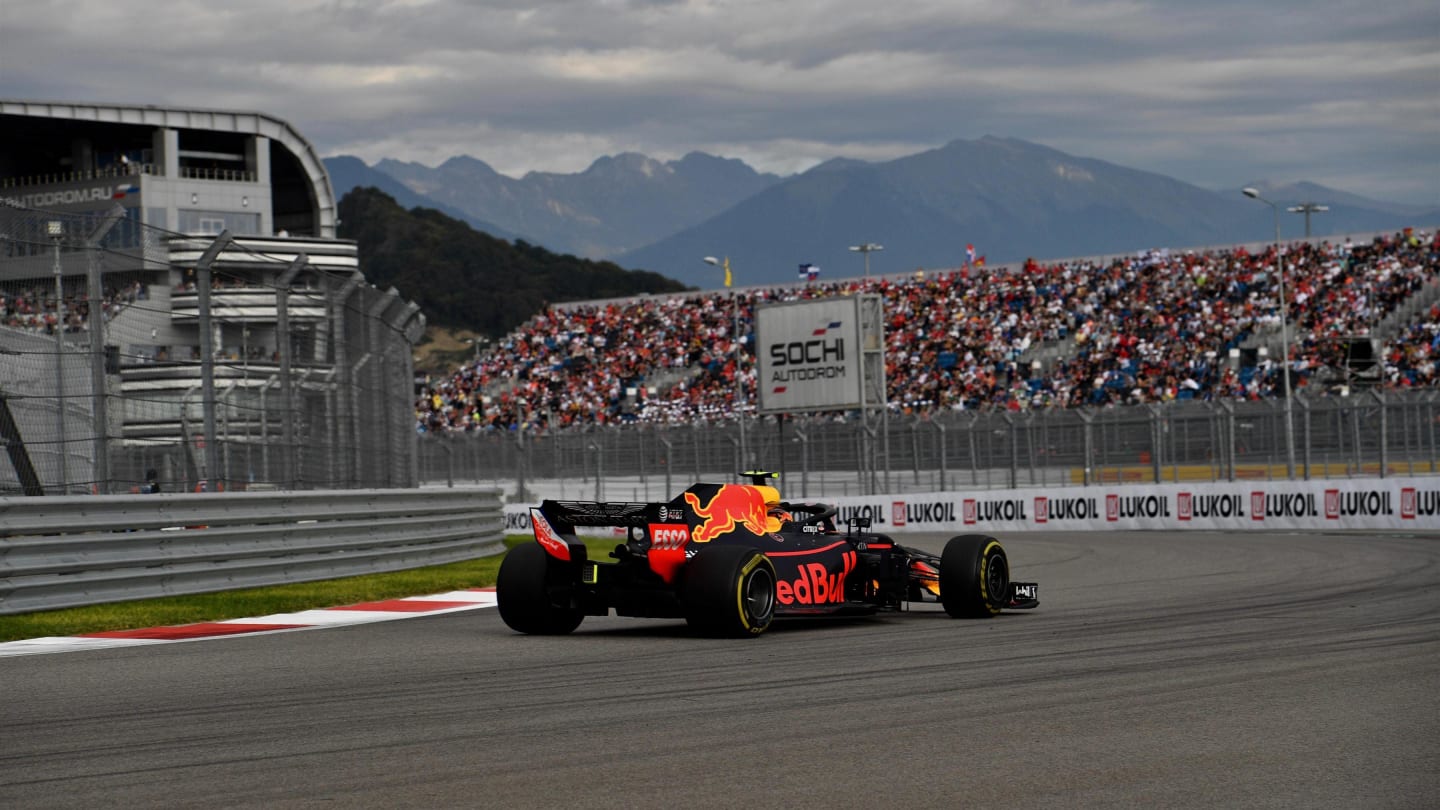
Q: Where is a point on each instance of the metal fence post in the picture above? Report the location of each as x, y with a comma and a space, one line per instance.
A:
213, 471
669, 459
803, 439
1228, 408
100, 419
57, 231
1355, 416
1156, 438
1384, 429
1009, 421
941, 428
599, 470
1430, 430
286, 349
1304, 403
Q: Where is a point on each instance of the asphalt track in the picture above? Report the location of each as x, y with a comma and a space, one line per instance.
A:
1162, 670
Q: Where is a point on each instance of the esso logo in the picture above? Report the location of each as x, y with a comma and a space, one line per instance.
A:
669, 535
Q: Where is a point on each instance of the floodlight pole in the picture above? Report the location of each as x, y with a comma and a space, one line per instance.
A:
1307, 209
867, 248
1284, 338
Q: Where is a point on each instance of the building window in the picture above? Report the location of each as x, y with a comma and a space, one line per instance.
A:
213, 222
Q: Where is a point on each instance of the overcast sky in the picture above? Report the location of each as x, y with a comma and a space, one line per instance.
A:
1344, 93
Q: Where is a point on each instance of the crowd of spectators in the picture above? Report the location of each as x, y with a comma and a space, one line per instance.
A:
33, 309
1410, 360
1153, 327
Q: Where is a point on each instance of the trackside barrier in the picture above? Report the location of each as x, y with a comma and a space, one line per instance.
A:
1358, 504
69, 551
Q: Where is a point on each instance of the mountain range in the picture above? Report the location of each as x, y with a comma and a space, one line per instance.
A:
1010, 198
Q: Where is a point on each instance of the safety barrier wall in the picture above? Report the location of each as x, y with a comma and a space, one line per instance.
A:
1408, 503
69, 551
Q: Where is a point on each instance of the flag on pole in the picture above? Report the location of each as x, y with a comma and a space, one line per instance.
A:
809, 272
969, 254
727, 271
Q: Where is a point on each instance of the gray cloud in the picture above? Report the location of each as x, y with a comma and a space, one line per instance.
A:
1345, 94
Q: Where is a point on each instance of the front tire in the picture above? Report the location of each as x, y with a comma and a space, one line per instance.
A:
729, 591
974, 576
529, 588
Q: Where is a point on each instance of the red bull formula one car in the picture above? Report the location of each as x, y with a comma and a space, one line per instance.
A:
730, 558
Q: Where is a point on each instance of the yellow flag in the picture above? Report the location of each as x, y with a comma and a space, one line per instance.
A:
727, 271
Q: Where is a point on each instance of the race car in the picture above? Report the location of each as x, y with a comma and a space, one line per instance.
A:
731, 558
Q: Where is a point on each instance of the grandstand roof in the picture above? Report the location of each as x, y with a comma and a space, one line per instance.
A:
227, 121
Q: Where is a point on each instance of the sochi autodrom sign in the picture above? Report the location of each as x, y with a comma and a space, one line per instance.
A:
1391, 503
808, 355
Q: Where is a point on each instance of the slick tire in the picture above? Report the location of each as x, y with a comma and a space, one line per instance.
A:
974, 577
527, 591
729, 592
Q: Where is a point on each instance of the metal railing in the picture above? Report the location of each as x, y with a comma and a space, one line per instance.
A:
69, 551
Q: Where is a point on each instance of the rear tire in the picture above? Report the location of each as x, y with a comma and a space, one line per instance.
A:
974, 576
729, 591
529, 588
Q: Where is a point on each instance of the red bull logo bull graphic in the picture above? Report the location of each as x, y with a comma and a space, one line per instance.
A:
734, 505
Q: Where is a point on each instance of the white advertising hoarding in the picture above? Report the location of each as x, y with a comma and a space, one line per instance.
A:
1351, 504
1326, 505
808, 356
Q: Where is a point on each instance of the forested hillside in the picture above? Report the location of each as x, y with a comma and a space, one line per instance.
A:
465, 279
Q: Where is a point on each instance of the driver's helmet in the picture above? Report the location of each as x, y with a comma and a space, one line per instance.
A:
775, 514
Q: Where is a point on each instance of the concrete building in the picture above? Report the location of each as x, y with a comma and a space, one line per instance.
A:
117, 203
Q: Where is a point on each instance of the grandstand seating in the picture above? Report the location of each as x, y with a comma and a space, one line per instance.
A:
1152, 327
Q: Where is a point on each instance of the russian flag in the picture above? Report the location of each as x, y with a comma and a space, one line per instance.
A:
969, 254
823, 329
809, 272
122, 189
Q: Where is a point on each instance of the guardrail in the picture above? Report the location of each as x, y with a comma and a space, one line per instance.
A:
71, 551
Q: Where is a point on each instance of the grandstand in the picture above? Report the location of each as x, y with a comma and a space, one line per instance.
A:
119, 202
1154, 327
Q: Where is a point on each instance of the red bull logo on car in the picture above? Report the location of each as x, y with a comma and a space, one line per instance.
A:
816, 584
733, 506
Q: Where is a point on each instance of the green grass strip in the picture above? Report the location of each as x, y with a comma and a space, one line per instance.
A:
209, 607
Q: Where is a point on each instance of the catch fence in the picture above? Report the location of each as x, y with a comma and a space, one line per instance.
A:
1368, 434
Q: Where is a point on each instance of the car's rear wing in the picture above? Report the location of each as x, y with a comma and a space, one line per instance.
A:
599, 513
